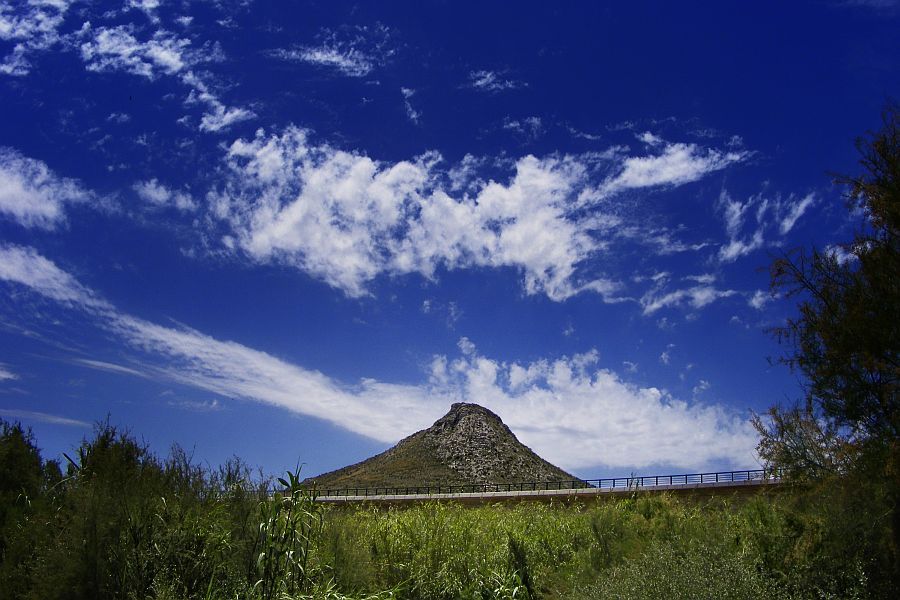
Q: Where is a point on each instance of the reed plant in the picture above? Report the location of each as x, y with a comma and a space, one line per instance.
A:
122, 523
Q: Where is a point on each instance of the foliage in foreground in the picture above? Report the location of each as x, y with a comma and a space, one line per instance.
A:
123, 523
845, 344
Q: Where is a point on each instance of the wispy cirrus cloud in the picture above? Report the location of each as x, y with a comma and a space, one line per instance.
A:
547, 402
25, 266
697, 296
675, 164
41, 417
352, 52
101, 365
793, 210
692, 292
347, 61
31, 194
758, 221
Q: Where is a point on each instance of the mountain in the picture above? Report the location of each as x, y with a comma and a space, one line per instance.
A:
469, 444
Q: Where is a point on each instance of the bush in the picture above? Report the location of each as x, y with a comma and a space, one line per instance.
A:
125, 524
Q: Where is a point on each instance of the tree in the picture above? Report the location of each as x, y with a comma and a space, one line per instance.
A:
20, 469
845, 342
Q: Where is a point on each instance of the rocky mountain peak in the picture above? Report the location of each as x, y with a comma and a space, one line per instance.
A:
464, 411
469, 444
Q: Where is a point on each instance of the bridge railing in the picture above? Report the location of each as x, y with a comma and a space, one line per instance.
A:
633, 482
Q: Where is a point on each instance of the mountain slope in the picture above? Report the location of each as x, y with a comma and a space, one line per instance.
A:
469, 444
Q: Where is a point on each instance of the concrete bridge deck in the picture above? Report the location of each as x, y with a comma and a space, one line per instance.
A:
721, 483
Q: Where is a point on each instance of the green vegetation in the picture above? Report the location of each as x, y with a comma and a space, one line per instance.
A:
844, 439
123, 523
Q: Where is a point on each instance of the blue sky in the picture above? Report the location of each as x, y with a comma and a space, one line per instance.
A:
297, 232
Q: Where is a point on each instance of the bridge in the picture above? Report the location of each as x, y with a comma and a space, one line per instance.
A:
722, 482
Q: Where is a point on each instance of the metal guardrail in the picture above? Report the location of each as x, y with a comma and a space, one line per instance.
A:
633, 482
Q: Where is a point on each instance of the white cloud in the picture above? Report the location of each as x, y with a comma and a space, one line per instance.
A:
111, 49
676, 165
577, 133
703, 278
548, 403
100, 365
219, 116
735, 214
200, 406
702, 386
346, 218
41, 417
159, 196
759, 299
6, 374
354, 53
411, 113
450, 312
31, 194
650, 139
529, 127
32, 27
222, 117
381, 411
737, 248
348, 61
760, 215
663, 242
841, 254
25, 266
148, 7
665, 324
795, 210
695, 297
617, 424
491, 81
117, 49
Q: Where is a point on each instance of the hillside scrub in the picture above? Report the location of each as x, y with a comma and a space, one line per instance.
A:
120, 522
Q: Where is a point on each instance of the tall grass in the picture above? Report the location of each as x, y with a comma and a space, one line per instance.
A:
122, 523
